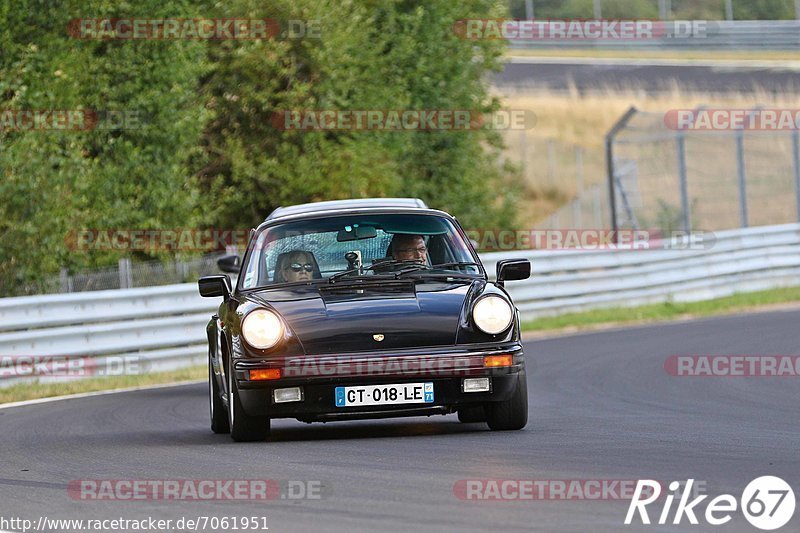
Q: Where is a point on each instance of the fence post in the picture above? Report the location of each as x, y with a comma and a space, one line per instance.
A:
523, 143
125, 274
687, 220
742, 178
579, 186
796, 157
598, 217
63, 277
610, 137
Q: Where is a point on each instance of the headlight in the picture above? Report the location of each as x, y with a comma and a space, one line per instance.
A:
262, 329
492, 314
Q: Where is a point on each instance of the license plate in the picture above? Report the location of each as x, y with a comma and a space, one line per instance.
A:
384, 394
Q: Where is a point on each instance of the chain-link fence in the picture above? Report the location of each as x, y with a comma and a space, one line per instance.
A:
556, 174
703, 179
127, 275
588, 210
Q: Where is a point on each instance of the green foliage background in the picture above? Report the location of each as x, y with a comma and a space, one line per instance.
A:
207, 154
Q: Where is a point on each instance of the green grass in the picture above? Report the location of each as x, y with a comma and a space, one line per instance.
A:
31, 391
664, 311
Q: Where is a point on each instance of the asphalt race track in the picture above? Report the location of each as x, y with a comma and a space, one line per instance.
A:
598, 74
602, 408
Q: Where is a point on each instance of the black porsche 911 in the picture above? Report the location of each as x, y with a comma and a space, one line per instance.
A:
358, 309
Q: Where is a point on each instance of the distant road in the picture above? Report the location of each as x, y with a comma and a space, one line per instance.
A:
651, 75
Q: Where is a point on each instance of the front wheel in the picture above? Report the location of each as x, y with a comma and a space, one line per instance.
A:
510, 414
244, 428
219, 418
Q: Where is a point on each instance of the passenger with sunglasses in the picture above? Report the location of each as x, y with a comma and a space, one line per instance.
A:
298, 265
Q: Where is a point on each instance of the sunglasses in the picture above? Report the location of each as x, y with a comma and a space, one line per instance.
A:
297, 267
420, 250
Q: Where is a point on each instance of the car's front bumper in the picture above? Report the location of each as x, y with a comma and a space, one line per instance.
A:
318, 376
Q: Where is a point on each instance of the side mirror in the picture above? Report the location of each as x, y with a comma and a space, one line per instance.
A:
513, 270
213, 286
229, 263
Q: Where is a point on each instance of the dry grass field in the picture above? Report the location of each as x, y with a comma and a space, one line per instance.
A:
564, 153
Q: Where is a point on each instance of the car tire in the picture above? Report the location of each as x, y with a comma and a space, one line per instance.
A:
510, 414
219, 416
471, 415
244, 428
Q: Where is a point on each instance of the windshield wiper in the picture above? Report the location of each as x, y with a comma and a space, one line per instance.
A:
374, 266
412, 268
428, 270
455, 264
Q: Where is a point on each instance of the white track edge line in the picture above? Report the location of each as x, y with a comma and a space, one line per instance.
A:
95, 393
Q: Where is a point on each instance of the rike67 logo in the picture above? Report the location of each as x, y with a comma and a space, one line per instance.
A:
767, 502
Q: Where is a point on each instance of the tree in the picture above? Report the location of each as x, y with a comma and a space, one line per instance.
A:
370, 55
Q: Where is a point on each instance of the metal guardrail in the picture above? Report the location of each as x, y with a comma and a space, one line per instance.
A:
718, 35
165, 326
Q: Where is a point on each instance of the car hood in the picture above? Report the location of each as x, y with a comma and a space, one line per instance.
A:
348, 318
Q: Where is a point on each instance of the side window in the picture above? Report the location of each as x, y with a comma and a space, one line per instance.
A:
439, 250
251, 273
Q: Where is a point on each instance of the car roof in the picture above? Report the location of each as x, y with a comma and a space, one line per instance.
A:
335, 205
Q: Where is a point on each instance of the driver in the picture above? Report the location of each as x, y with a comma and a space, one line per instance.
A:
409, 248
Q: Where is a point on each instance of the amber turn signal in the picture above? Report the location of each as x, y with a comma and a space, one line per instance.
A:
494, 361
263, 374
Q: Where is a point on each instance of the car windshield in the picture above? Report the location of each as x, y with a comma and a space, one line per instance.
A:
340, 247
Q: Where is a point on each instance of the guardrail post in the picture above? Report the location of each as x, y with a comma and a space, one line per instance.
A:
742, 178
796, 157
610, 137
